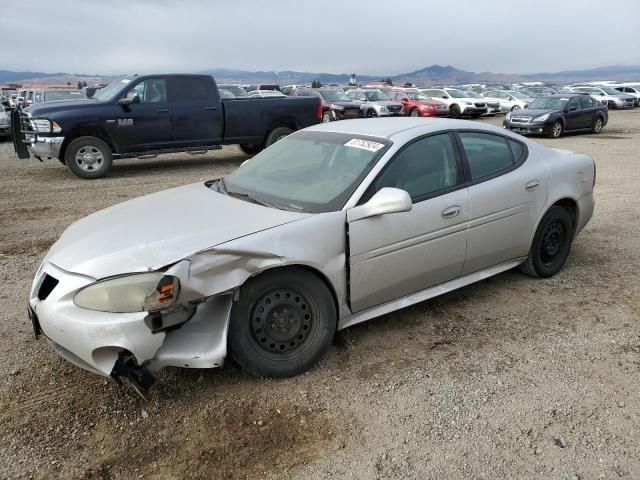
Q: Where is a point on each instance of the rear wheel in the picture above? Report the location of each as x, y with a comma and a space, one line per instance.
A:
277, 134
551, 244
597, 125
282, 324
88, 157
251, 149
556, 130
454, 111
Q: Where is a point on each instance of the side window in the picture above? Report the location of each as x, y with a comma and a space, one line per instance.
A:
487, 153
189, 89
518, 150
426, 166
575, 102
587, 101
153, 90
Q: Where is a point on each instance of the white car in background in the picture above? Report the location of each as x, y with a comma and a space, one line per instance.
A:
609, 96
458, 101
629, 90
510, 100
4, 123
266, 93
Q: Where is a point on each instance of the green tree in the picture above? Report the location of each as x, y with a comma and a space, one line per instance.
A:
316, 84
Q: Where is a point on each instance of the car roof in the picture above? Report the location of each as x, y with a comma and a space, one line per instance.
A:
389, 127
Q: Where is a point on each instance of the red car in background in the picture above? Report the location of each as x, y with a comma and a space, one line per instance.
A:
417, 105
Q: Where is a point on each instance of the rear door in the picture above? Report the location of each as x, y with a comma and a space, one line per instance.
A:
574, 116
401, 253
588, 111
506, 195
145, 125
198, 118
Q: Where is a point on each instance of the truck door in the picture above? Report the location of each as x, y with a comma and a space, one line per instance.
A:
198, 118
145, 125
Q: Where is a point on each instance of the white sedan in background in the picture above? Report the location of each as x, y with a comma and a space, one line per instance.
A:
509, 100
329, 227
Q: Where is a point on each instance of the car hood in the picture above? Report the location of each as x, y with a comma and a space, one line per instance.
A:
156, 230
347, 104
525, 112
41, 109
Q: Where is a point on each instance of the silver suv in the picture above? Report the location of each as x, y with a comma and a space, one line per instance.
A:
374, 103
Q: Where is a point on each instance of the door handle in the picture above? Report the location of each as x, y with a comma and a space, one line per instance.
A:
210, 108
162, 110
451, 212
531, 185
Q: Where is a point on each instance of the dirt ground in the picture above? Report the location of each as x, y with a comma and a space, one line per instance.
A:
508, 378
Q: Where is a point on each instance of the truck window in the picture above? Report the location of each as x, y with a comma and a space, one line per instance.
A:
189, 89
153, 90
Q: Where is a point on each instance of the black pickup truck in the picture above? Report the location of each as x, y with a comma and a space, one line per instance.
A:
143, 116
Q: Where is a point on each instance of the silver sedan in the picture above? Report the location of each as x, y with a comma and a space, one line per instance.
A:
329, 227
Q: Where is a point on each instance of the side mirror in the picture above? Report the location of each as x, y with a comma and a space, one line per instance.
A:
602, 94
445, 97
386, 200
129, 100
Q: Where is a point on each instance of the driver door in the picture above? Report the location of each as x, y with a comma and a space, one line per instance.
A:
146, 125
397, 254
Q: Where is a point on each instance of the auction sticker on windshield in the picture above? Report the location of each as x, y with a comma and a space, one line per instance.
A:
364, 144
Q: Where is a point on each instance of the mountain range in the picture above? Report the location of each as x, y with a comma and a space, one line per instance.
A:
431, 75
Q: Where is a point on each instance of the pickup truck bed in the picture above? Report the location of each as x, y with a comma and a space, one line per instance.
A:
144, 116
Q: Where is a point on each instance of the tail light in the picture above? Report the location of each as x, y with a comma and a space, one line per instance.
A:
319, 111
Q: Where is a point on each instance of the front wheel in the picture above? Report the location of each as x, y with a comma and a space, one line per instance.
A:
551, 244
556, 130
455, 111
371, 114
414, 112
326, 116
88, 158
282, 323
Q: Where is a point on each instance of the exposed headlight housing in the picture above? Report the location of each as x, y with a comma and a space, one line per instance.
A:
131, 293
541, 118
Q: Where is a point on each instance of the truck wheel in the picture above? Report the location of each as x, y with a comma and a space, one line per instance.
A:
282, 323
88, 157
251, 149
454, 111
277, 134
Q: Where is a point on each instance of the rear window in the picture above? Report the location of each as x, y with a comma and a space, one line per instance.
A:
190, 89
487, 154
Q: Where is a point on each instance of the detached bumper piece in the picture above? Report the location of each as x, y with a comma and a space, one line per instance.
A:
138, 376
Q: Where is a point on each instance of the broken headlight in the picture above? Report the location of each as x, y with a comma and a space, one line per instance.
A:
131, 293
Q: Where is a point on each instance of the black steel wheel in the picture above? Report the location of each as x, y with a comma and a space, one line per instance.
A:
551, 244
282, 323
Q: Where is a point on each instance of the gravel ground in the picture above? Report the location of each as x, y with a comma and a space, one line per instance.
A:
508, 378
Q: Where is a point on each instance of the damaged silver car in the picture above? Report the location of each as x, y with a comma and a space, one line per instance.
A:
329, 227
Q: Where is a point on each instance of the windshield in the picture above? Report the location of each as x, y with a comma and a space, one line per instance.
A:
611, 91
472, 94
235, 89
548, 103
521, 96
334, 96
112, 90
418, 96
64, 95
376, 96
457, 93
309, 171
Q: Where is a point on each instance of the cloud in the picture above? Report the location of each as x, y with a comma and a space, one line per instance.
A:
120, 36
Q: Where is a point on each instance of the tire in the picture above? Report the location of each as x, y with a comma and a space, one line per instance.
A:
326, 116
88, 158
414, 112
371, 114
277, 134
251, 149
454, 111
282, 324
597, 125
551, 244
556, 130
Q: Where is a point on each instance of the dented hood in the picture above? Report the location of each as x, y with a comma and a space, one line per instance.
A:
153, 231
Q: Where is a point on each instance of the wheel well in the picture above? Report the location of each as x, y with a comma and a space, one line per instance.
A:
287, 122
312, 271
571, 207
84, 132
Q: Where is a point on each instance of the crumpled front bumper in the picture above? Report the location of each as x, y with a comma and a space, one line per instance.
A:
94, 340
44, 147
